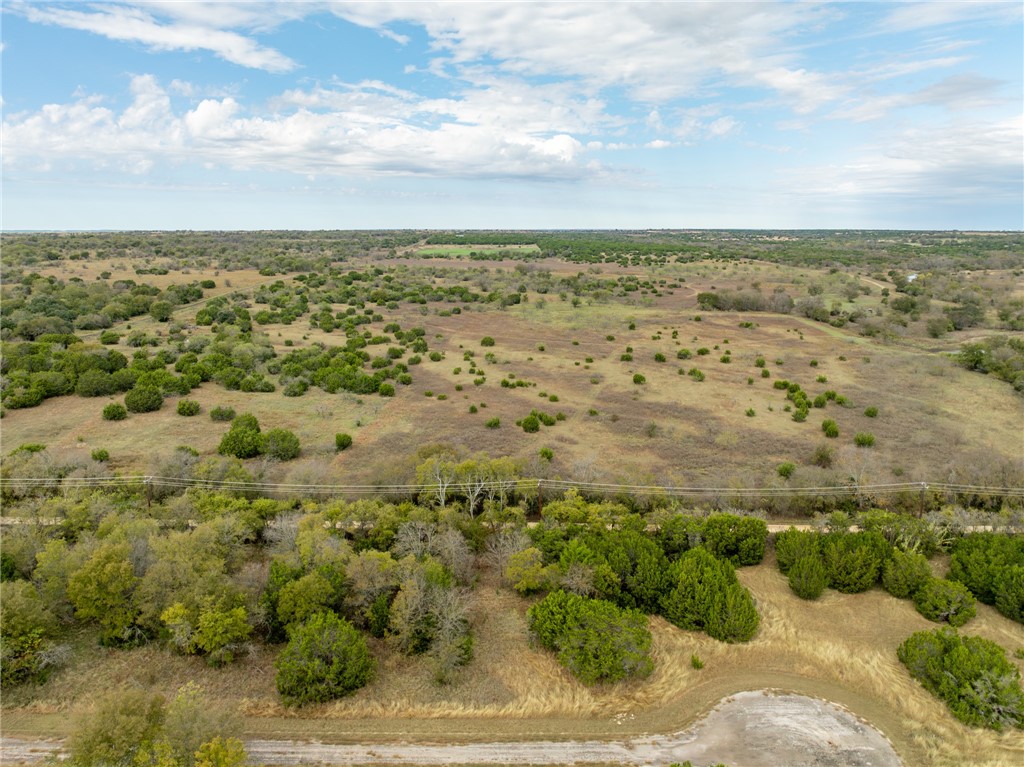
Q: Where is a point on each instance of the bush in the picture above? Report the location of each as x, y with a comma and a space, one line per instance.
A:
222, 413
594, 639
638, 379
970, 674
188, 407
492, 423
101, 455
241, 441
904, 573
114, 412
325, 659
830, 427
786, 469
793, 544
807, 577
741, 540
143, 399
940, 600
823, 456
125, 723
854, 560
989, 565
706, 595
342, 442
864, 439
530, 424
281, 444
386, 390
871, 412
487, 341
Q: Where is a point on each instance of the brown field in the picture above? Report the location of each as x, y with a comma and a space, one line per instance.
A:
840, 648
935, 418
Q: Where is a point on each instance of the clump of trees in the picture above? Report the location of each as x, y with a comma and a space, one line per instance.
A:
596, 640
246, 440
970, 674
991, 566
326, 658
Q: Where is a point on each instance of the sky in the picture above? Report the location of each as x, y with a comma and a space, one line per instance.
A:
508, 115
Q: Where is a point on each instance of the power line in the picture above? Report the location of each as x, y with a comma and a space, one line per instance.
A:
522, 484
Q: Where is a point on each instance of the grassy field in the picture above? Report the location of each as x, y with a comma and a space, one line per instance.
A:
841, 648
935, 419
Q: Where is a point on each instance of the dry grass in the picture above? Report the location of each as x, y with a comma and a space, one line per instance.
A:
841, 648
934, 417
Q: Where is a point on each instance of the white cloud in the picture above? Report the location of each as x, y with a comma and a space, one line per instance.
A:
956, 93
657, 52
910, 16
354, 134
952, 162
134, 25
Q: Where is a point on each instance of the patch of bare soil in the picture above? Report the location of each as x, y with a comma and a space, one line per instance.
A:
749, 729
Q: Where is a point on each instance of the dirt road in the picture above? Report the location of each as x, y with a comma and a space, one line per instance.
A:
749, 729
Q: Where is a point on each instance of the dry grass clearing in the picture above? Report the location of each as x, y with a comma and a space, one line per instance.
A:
840, 648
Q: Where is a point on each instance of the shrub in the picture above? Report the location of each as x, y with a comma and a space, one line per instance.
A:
594, 639
492, 423
281, 444
124, 726
342, 441
638, 379
741, 540
823, 456
807, 577
864, 439
853, 560
904, 573
188, 407
941, 600
530, 424
222, 413
871, 412
830, 427
659, 357
325, 659
786, 469
100, 455
546, 453
114, 412
751, 412
241, 442
386, 390
696, 662
707, 596
989, 565
970, 674
793, 544
487, 341
143, 399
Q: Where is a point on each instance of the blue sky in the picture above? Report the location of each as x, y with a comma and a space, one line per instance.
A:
324, 115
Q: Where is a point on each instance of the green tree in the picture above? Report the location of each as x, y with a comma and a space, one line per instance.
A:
326, 658
221, 752
940, 600
125, 723
102, 589
114, 412
807, 577
594, 639
904, 573
281, 444
161, 311
302, 598
970, 674
143, 399
219, 631
793, 544
853, 560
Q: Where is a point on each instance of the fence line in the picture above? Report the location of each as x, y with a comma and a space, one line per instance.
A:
537, 484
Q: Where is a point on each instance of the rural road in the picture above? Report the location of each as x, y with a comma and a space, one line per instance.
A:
749, 729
